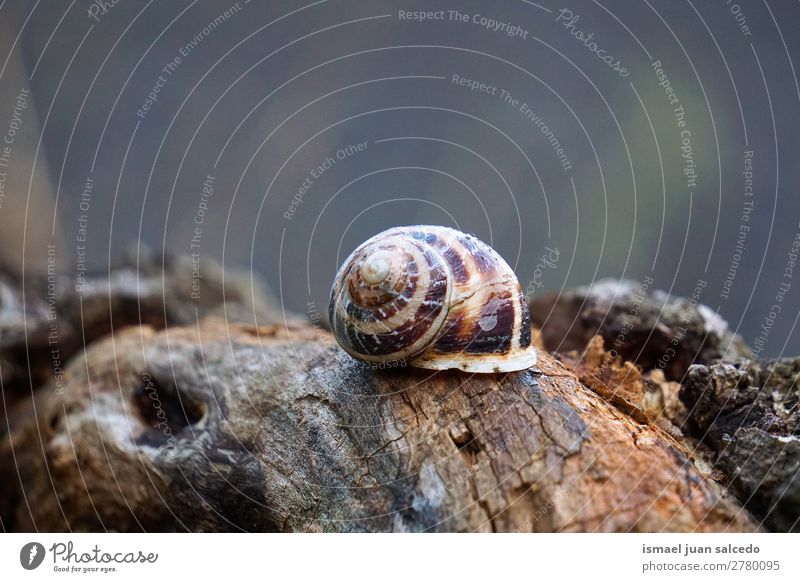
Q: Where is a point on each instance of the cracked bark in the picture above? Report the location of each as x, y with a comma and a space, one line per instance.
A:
748, 414
276, 429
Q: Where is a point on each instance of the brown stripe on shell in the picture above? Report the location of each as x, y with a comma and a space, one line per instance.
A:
405, 335
384, 311
456, 263
487, 330
483, 257
365, 310
396, 284
371, 333
437, 291
451, 245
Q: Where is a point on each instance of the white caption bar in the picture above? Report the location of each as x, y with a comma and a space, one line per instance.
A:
387, 557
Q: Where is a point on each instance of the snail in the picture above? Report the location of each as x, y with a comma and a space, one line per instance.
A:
433, 297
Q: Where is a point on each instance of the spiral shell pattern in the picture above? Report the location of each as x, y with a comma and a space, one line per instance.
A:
434, 297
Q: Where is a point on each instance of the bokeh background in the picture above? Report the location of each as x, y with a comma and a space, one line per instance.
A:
223, 161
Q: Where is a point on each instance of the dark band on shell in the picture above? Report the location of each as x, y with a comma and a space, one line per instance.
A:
434, 296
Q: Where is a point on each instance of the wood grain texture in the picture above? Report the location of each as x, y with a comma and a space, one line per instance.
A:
228, 427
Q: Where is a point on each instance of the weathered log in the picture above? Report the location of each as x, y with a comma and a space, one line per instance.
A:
643, 325
225, 427
53, 317
26, 333
748, 413
739, 414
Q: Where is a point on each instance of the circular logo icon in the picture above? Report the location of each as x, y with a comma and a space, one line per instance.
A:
31, 555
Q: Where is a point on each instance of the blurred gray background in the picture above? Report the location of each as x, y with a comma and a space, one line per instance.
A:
253, 97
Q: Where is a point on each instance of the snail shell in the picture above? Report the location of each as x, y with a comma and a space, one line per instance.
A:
434, 297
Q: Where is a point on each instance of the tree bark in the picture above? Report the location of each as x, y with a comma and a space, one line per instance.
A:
220, 427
